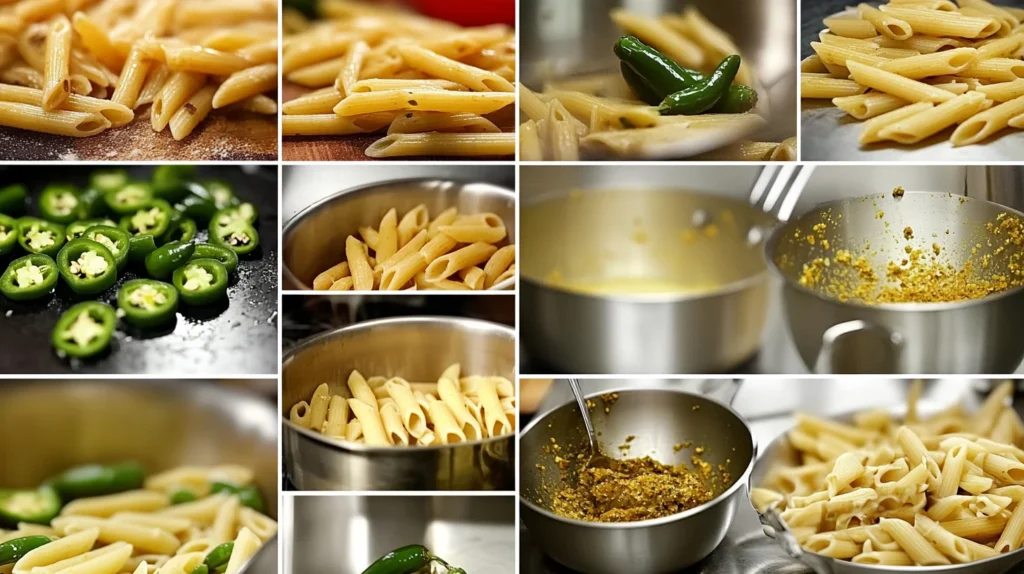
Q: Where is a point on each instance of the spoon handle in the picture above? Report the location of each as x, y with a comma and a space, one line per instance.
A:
585, 413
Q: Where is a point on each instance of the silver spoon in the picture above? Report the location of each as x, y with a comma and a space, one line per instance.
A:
597, 458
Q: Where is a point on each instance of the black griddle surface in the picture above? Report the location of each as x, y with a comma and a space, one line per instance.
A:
238, 337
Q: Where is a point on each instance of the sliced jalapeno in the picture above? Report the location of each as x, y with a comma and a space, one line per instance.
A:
165, 260
12, 199
183, 229
200, 207
84, 330
14, 550
87, 266
78, 228
38, 236
148, 303
245, 212
222, 254
170, 182
29, 277
201, 281
108, 180
129, 199
115, 239
219, 556
230, 229
183, 495
140, 246
38, 506
99, 479
59, 203
221, 194
8, 234
152, 219
90, 204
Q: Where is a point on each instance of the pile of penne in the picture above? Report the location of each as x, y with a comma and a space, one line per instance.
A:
942, 490
914, 69
452, 252
598, 115
79, 67
381, 411
436, 88
141, 532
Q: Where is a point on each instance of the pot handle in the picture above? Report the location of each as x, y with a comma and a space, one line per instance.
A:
722, 390
858, 343
775, 528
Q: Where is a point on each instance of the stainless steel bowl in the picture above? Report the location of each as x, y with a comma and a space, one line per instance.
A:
314, 240
563, 38
976, 336
592, 235
346, 534
49, 426
418, 349
659, 420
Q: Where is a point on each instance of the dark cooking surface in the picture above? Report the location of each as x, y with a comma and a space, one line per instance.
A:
238, 337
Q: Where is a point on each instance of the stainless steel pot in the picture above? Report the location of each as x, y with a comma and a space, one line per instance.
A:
562, 38
418, 349
347, 533
48, 426
659, 420
314, 240
593, 235
976, 336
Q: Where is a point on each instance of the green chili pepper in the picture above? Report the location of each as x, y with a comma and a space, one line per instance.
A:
154, 219
244, 212
639, 85
230, 228
140, 246
170, 181
115, 239
14, 550
8, 234
184, 230
201, 569
83, 331
87, 266
12, 199
221, 194
59, 203
162, 262
222, 254
665, 77
201, 209
704, 96
248, 495
201, 281
219, 556
108, 180
129, 199
90, 203
38, 506
405, 560
38, 236
183, 495
29, 277
78, 228
147, 303
99, 479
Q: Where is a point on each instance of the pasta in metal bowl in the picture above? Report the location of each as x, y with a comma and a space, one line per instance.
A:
106, 519
380, 411
922, 491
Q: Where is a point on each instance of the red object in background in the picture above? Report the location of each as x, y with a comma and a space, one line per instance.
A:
469, 12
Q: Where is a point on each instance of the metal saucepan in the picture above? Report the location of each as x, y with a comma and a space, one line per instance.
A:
565, 38
314, 240
780, 453
417, 349
659, 420
161, 424
572, 237
346, 534
973, 336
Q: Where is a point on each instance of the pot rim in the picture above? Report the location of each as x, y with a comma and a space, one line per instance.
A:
312, 208
359, 448
739, 483
777, 234
749, 282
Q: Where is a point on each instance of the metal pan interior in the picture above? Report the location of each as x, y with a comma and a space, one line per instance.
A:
634, 242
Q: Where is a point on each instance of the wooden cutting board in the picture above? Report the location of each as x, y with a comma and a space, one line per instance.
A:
341, 148
222, 137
